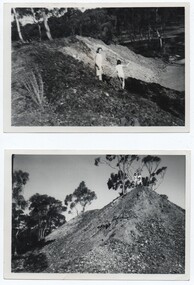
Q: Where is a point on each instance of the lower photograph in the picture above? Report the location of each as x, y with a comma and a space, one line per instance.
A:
97, 215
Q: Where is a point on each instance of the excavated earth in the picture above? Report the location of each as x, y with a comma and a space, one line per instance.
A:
142, 232
149, 70
154, 94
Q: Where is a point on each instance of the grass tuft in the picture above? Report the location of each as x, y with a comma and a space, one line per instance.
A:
33, 83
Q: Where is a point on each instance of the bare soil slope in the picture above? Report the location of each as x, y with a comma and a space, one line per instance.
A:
141, 232
74, 97
149, 70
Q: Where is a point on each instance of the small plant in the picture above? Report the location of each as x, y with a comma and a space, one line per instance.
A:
33, 83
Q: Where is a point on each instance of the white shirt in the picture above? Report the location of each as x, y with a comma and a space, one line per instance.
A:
120, 71
139, 179
135, 178
99, 60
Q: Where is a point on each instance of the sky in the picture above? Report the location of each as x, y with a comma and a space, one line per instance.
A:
59, 175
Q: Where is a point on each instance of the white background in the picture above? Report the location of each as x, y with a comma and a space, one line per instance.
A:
132, 141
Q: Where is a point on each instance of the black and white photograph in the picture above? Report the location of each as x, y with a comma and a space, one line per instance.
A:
120, 67
113, 214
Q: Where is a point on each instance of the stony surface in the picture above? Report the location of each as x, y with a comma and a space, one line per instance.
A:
74, 97
141, 232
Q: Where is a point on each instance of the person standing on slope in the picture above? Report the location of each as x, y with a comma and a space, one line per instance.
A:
139, 179
120, 73
135, 179
98, 63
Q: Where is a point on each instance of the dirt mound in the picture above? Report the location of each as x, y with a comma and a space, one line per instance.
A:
141, 232
145, 69
74, 97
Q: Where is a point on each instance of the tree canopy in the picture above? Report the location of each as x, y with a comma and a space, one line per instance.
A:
48, 209
19, 204
81, 197
125, 166
103, 23
155, 174
32, 219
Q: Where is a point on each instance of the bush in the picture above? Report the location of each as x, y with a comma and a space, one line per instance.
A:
33, 83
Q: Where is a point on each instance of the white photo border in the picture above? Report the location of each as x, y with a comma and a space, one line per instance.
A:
99, 129
82, 276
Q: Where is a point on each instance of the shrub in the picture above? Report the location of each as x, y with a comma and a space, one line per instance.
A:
33, 83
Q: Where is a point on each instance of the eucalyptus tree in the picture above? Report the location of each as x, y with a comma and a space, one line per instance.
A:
124, 167
45, 214
19, 204
16, 16
81, 197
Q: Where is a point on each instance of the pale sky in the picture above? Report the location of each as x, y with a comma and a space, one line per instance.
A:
59, 175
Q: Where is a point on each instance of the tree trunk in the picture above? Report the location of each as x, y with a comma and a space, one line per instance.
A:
37, 22
18, 25
84, 208
123, 190
15, 244
77, 212
39, 30
45, 19
41, 233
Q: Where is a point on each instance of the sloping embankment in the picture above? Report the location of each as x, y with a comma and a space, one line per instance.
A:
139, 67
141, 232
76, 98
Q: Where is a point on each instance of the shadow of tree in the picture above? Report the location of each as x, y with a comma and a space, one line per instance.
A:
167, 99
43, 243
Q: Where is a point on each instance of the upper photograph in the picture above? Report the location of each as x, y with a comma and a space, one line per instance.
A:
96, 69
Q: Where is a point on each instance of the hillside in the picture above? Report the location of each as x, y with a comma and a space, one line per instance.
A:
149, 70
154, 94
141, 232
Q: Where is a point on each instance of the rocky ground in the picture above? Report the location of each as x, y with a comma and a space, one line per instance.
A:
74, 97
142, 232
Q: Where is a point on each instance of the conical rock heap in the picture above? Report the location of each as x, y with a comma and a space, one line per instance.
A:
141, 232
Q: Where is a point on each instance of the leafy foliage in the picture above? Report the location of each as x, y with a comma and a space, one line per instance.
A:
156, 175
126, 165
104, 23
45, 213
19, 180
123, 164
19, 204
82, 196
